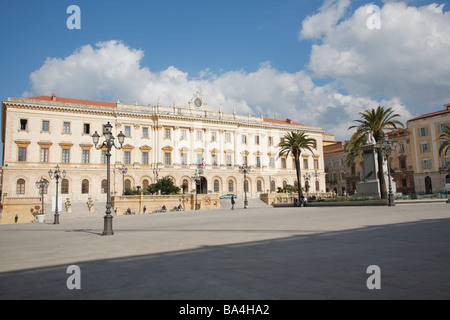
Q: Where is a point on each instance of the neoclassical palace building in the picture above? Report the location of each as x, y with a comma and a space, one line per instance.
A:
41, 132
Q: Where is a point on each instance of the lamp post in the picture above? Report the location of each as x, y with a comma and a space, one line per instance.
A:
388, 147
56, 174
245, 169
108, 144
306, 177
123, 171
197, 179
41, 185
156, 169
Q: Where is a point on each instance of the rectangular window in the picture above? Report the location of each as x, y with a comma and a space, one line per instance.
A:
183, 159
144, 158
272, 162
401, 147
104, 158
316, 164
305, 163
244, 160
244, 139
127, 157
426, 164
183, 135
44, 155
258, 162
167, 160
228, 137
166, 133
22, 154
127, 131
86, 128
270, 141
85, 156
257, 140
213, 136
45, 126
198, 135
228, 160
441, 127
214, 160
66, 127
23, 124
423, 132
144, 132
199, 158
283, 163
424, 147
65, 155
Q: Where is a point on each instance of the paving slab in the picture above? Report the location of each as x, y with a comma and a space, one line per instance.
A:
258, 253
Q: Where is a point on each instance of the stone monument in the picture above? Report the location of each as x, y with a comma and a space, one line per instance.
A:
370, 183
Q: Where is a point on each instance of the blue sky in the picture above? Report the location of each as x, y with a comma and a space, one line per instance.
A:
313, 61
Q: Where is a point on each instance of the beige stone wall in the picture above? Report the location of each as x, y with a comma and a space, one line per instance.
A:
136, 203
25, 209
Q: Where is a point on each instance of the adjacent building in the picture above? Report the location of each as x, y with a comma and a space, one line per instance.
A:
431, 171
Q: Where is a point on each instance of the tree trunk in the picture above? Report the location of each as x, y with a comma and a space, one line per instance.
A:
381, 174
299, 185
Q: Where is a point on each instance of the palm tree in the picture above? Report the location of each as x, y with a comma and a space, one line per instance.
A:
295, 142
373, 123
445, 136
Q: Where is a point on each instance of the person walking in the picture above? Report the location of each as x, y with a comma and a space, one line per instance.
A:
232, 202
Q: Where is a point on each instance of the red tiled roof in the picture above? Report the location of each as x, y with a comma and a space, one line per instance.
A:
430, 114
283, 122
334, 150
76, 101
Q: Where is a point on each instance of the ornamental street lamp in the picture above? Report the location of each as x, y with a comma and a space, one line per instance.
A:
196, 177
42, 185
388, 147
123, 171
306, 177
57, 174
245, 169
108, 144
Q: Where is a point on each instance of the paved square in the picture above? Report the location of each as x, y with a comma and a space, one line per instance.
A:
258, 253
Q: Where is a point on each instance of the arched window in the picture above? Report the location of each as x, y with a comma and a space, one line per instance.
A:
216, 185
64, 186
127, 184
317, 186
20, 187
104, 186
230, 186
272, 186
259, 186
144, 184
85, 186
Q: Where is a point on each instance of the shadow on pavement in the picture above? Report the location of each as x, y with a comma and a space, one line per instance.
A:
414, 259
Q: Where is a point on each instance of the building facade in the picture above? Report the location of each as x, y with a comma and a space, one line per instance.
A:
431, 171
39, 133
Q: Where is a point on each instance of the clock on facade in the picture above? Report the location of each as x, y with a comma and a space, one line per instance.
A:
198, 103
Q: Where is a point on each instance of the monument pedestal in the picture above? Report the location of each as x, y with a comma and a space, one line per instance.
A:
370, 184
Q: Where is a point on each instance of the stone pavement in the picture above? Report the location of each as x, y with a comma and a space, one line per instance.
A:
259, 253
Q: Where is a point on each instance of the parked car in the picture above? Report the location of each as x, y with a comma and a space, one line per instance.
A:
228, 196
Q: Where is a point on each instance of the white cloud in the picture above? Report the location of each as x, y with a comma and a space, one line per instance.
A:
406, 59
404, 64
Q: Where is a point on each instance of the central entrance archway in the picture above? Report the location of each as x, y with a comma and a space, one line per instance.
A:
202, 186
